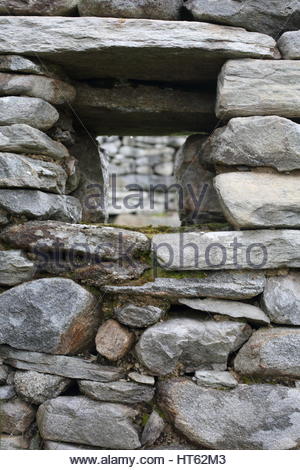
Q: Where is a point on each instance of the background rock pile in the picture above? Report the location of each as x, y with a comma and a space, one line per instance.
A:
125, 339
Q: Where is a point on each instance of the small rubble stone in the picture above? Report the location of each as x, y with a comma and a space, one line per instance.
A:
16, 416
141, 378
13, 442
113, 340
207, 378
36, 388
15, 268
4, 371
7, 392
137, 316
153, 429
38, 7
117, 392
281, 299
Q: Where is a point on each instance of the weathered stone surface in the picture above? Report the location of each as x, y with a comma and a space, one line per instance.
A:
281, 299
52, 445
251, 249
271, 353
13, 442
4, 371
21, 64
153, 429
7, 392
141, 379
36, 388
38, 7
257, 200
31, 111
255, 15
48, 315
149, 109
100, 243
113, 340
20, 138
48, 89
222, 285
250, 417
103, 273
229, 308
215, 379
191, 343
16, 416
289, 45
84, 421
94, 177
152, 9
19, 171
129, 393
198, 201
258, 88
137, 316
136, 49
15, 268
34, 204
64, 366
256, 141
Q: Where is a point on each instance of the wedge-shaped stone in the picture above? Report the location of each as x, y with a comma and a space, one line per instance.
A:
129, 393
215, 379
48, 89
34, 204
20, 64
251, 249
271, 353
23, 110
38, 7
20, 138
152, 9
289, 44
257, 200
84, 421
249, 417
229, 308
222, 285
189, 342
159, 110
255, 15
52, 315
281, 299
16, 417
108, 243
15, 268
259, 88
107, 47
64, 366
258, 141
19, 171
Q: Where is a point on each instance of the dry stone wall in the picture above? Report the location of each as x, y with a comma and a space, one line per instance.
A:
113, 338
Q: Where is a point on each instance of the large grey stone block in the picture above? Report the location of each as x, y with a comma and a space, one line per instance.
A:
259, 88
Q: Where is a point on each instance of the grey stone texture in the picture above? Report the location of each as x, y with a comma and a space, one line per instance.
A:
15, 268
153, 429
16, 416
38, 7
289, 45
249, 417
271, 353
36, 388
281, 299
137, 316
113, 340
129, 393
80, 420
215, 379
190, 343
7, 392
52, 315
24, 110
13, 442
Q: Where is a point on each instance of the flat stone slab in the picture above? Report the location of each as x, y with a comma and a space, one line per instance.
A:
20, 171
259, 88
215, 379
271, 353
34, 204
249, 417
24, 139
159, 110
153, 9
257, 15
24, 110
256, 141
289, 45
251, 249
190, 343
64, 366
222, 285
53, 91
51, 315
20, 64
281, 299
38, 7
15, 268
229, 308
259, 200
130, 48
84, 421
94, 242
129, 393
